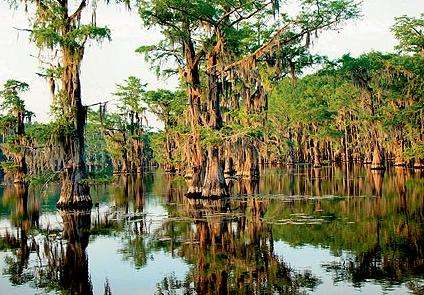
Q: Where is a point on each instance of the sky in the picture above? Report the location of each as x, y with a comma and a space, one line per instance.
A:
110, 63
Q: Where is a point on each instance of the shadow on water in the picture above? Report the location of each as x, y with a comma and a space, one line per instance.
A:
367, 225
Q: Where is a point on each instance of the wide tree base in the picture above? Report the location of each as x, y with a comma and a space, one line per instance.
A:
210, 191
419, 164
194, 193
377, 167
400, 164
77, 203
198, 196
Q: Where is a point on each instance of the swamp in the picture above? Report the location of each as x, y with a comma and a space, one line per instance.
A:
243, 152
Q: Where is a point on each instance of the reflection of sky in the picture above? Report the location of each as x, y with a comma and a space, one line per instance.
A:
105, 261
106, 258
124, 278
312, 258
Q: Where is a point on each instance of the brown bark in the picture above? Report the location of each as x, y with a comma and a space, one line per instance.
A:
291, 159
249, 160
316, 154
22, 169
19, 158
193, 150
377, 158
399, 158
228, 160
214, 185
419, 164
74, 192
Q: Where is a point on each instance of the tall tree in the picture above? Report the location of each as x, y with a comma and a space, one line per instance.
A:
410, 33
219, 60
57, 28
12, 124
169, 107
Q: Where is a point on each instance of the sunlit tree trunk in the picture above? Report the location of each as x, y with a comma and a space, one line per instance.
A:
75, 193
377, 158
194, 172
316, 154
214, 184
20, 156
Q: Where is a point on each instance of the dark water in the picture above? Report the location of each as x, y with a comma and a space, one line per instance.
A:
316, 231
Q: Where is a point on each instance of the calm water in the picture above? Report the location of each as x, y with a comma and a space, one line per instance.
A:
316, 231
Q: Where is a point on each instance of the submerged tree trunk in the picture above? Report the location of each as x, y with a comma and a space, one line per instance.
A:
75, 193
194, 173
214, 185
316, 154
20, 156
399, 157
228, 160
377, 158
249, 160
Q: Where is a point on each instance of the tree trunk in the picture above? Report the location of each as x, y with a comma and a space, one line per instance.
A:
20, 157
377, 158
75, 193
22, 169
194, 154
317, 155
228, 161
214, 185
169, 166
399, 158
249, 160
291, 159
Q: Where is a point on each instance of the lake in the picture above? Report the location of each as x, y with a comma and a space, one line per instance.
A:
295, 231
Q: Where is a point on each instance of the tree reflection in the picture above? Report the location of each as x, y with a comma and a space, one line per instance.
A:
56, 264
231, 251
72, 271
23, 219
372, 221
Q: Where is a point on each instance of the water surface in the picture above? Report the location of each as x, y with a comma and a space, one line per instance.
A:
296, 231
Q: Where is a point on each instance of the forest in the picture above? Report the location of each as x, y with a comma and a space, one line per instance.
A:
269, 169
251, 94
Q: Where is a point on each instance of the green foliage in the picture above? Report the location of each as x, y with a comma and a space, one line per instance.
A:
410, 33
8, 166
130, 95
244, 25
41, 133
11, 102
168, 105
374, 91
44, 178
54, 27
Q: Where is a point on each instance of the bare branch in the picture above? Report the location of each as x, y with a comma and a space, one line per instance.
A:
77, 12
24, 30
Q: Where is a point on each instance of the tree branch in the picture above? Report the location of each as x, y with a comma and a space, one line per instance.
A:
25, 30
267, 47
77, 12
